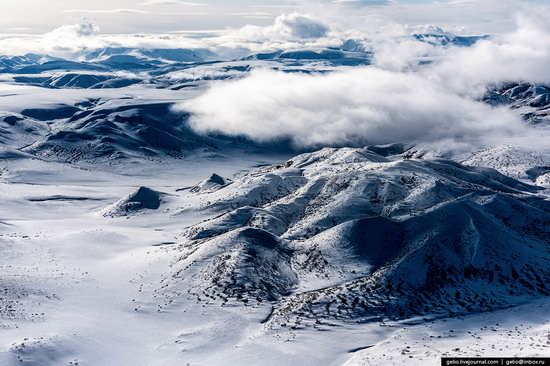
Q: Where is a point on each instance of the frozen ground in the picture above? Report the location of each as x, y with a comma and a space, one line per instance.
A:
85, 288
523, 331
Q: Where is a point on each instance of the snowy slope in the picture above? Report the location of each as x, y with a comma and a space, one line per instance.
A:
531, 100
232, 268
370, 237
79, 80
514, 161
114, 131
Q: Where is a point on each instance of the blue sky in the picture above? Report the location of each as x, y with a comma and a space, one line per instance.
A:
158, 16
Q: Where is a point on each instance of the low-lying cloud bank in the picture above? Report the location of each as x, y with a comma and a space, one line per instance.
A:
519, 56
393, 100
353, 107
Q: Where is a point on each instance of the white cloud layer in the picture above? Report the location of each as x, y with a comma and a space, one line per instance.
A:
106, 11
83, 29
291, 27
354, 107
521, 55
287, 31
170, 2
70, 41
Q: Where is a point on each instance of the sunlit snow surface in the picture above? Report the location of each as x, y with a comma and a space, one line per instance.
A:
82, 286
127, 238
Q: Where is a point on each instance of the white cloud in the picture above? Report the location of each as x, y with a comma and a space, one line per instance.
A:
70, 41
171, 2
287, 31
18, 29
355, 107
254, 15
521, 55
287, 27
364, 2
106, 11
83, 29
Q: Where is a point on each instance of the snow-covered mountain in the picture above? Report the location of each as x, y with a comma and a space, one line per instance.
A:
120, 67
108, 131
531, 100
351, 53
449, 39
515, 162
79, 80
349, 234
155, 55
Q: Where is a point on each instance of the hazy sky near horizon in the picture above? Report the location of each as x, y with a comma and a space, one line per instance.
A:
161, 16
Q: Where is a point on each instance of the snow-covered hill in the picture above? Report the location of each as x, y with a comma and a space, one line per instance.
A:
79, 80
531, 100
514, 161
348, 234
438, 39
110, 131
